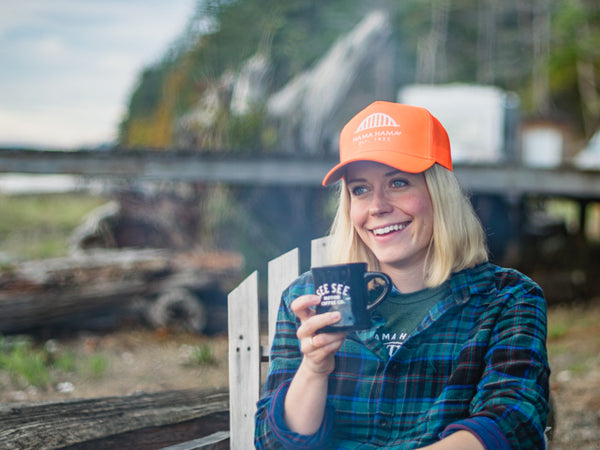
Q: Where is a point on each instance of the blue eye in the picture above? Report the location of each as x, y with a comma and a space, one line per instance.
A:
358, 190
399, 183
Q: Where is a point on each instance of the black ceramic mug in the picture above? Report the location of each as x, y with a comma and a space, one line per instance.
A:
348, 288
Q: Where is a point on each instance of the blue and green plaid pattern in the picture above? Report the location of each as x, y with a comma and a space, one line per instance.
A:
476, 362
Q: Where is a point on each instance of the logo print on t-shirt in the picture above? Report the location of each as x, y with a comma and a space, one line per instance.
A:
392, 341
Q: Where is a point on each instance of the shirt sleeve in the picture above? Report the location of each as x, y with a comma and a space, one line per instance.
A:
484, 429
511, 405
271, 430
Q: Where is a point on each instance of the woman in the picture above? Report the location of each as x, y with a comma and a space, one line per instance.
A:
456, 357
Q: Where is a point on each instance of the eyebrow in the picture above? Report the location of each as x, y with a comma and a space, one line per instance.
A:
391, 173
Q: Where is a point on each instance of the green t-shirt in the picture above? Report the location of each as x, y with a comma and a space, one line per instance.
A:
402, 314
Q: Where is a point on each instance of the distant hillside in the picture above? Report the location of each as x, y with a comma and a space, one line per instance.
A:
542, 52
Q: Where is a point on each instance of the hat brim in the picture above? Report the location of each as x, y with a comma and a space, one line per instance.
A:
402, 162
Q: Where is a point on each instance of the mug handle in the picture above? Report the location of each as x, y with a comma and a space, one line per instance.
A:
386, 289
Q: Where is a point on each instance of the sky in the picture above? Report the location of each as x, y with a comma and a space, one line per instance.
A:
68, 67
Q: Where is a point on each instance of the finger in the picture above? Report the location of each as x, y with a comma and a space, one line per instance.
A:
324, 340
313, 324
302, 306
320, 349
331, 347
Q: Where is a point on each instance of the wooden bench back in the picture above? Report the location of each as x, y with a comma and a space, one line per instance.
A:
245, 350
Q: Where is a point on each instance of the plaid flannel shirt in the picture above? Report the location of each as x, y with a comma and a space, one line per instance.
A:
476, 362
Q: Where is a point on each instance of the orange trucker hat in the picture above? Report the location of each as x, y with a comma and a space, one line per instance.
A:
405, 137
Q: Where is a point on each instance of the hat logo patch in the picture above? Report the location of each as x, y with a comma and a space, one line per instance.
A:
376, 127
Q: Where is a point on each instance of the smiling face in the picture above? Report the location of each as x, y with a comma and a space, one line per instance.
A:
392, 213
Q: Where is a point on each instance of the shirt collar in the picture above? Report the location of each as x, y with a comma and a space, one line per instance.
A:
470, 282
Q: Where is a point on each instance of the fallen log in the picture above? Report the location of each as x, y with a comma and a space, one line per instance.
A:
140, 421
26, 310
116, 283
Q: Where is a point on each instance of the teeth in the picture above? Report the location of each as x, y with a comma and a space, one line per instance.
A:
388, 229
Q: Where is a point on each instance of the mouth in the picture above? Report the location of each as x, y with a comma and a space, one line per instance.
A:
389, 229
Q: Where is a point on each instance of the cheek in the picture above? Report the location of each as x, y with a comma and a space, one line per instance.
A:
421, 207
356, 214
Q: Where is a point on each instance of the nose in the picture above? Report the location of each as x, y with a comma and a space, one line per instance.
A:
379, 203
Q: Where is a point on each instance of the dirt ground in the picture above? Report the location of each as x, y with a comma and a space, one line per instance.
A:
574, 350
138, 359
134, 360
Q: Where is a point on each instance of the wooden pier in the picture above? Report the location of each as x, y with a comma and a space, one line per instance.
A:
242, 169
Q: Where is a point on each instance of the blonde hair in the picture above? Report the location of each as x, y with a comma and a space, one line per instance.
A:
458, 240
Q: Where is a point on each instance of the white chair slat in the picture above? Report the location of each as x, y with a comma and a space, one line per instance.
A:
318, 252
281, 272
244, 361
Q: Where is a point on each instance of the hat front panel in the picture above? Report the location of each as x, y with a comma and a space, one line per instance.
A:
381, 128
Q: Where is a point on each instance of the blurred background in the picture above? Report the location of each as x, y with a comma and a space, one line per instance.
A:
161, 151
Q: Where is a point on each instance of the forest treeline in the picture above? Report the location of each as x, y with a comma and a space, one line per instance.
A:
546, 51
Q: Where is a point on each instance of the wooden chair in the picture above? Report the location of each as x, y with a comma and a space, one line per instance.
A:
246, 353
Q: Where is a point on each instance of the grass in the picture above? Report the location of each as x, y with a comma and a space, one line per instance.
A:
66, 362
573, 336
557, 330
26, 364
565, 320
39, 226
96, 366
198, 355
203, 355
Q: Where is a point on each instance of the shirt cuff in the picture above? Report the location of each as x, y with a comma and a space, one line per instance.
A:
290, 439
484, 429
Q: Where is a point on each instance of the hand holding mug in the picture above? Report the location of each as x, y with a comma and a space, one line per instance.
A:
318, 349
